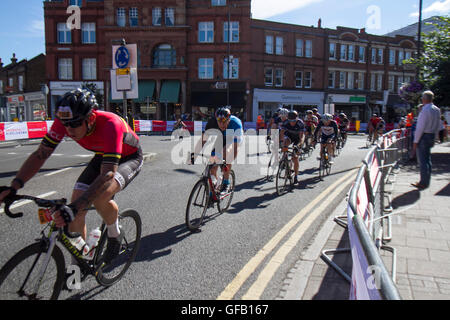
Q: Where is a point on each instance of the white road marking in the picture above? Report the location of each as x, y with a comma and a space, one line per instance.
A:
56, 172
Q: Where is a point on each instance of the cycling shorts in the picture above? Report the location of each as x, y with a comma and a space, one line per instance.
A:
128, 168
324, 138
295, 139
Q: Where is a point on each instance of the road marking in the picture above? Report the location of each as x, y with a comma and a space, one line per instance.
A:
24, 202
56, 172
231, 290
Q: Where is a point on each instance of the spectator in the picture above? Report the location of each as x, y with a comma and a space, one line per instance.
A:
443, 131
428, 126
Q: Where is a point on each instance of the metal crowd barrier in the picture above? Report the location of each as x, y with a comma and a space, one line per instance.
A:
369, 219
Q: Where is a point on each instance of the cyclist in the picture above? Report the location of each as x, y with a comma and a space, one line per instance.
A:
292, 132
373, 122
329, 131
316, 113
232, 133
380, 129
117, 161
311, 122
343, 125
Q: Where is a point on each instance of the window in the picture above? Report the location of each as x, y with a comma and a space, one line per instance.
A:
391, 57
20, 83
75, 3
64, 34
89, 71
269, 44
350, 80
308, 48
380, 82
88, 32
362, 54
299, 48
11, 82
360, 81
134, 17
399, 81
233, 67
298, 79
391, 83
164, 56
170, 17
279, 77
65, 69
380, 56
373, 81
351, 53
344, 52
234, 31
331, 79
218, 2
374, 56
206, 32
342, 80
279, 46
268, 77
400, 58
156, 16
1, 86
121, 17
332, 51
308, 79
205, 68
408, 55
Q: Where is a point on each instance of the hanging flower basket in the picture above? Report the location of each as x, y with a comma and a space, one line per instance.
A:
411, 92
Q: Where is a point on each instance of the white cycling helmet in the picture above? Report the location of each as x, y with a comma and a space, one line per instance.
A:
283, 112
327, 117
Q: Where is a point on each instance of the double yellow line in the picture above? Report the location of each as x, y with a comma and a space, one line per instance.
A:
258, 287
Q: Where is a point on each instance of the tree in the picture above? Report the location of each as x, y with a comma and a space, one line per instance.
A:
434, 63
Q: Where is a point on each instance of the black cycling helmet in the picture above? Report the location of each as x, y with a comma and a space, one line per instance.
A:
292, 115
342, 115
223, 113
75, 105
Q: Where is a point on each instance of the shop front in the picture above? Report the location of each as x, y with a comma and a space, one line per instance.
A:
396, 108
206, 97
266, 101
35, 106
354, 106
59, 88
15, 107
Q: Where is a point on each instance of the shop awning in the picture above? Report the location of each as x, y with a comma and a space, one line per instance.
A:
170, 92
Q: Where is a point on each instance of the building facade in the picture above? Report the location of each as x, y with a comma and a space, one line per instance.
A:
21, 95
194, 56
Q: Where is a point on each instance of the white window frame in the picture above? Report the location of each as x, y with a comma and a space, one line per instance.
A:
121, 16
206, 32
344, 52
20, 83
216, 3
308, 79
332, 56
266, 83
380, 55
133, 17
360, 81
379, 83
88, 33
299, 79
269, 44
10, 82
350, 80
65, 69
62, 28
169, 16
279, 46
391, 84
1, 86
373, 81
308, 49
391, 57
351, 52
89, 69
401, 57
205, 68
332, 77
342, 79
75, 3
373, 56
234, 68
234, 31
156, 16
299, 47
362, 54
279, 77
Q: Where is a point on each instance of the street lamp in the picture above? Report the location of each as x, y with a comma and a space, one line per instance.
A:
419, 35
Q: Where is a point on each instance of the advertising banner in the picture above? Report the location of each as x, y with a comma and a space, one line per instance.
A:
37, 129
159, 126
16, 130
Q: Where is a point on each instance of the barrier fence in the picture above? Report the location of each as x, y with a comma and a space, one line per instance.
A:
369, 221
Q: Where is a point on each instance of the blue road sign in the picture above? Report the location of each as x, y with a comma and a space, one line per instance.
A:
122, 57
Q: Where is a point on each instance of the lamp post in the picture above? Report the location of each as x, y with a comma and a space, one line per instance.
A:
228, 55
419, 35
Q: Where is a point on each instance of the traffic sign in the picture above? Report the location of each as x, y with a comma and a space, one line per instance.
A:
122, 57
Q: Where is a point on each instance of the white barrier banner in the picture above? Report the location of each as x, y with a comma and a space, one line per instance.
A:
16, 130
198, 126
145, 125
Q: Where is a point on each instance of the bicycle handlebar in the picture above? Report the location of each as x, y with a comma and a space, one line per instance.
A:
43, 203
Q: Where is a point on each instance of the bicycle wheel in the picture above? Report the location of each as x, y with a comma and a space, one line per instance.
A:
131, 225
327, 167
271, 168
19, 276
197, 205
283, 176
225, 199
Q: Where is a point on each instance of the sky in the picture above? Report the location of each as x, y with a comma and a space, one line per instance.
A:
22, 21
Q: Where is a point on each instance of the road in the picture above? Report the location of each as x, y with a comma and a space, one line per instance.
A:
242, 254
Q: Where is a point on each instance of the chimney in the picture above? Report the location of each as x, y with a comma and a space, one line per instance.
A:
363, 30
1, 63
319, 24
14, 59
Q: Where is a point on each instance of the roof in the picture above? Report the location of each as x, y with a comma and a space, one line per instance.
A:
412, 29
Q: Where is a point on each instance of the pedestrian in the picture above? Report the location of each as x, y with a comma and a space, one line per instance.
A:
428, 126
443, 131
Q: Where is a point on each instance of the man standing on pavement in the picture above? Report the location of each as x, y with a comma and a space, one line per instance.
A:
428, 125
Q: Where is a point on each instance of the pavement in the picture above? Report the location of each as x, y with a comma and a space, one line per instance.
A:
420, 235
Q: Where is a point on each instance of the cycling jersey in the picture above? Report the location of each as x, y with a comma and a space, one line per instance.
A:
311, 123
293, 131
327, 132
375, 121
343, 124
234, 129
111, 137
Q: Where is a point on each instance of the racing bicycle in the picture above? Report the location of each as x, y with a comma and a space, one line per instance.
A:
38, 271
285, 176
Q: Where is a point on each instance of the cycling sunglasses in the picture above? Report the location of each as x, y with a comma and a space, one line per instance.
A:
222, 119
73, 123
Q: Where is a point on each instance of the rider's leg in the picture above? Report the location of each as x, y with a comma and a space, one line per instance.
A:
108, 209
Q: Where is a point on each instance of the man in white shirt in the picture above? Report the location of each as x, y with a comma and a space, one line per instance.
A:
426, 132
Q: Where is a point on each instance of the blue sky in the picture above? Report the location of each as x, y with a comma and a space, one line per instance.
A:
22, 22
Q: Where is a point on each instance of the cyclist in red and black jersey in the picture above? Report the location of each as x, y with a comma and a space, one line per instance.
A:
117, 161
